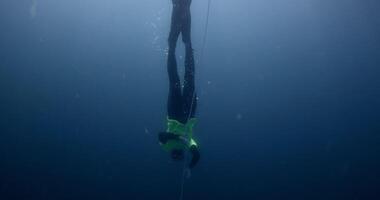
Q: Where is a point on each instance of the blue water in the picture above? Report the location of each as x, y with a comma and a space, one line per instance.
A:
289, 100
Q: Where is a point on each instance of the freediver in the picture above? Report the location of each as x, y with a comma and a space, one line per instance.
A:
182, 103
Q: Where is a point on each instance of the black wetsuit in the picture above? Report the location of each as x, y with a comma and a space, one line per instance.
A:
181, 103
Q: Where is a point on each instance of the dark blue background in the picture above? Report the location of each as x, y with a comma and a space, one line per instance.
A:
288, 108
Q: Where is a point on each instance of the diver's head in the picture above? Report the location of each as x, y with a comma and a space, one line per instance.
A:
177, 154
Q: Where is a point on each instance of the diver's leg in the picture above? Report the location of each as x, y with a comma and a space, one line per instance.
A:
174, 106
175, 28
189, 95
186, 29
175, 97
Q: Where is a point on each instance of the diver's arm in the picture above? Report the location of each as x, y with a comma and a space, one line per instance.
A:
196, 156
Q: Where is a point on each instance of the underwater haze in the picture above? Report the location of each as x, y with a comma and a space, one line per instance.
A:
289, 100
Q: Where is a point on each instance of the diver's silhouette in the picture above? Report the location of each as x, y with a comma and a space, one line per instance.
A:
182, 103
